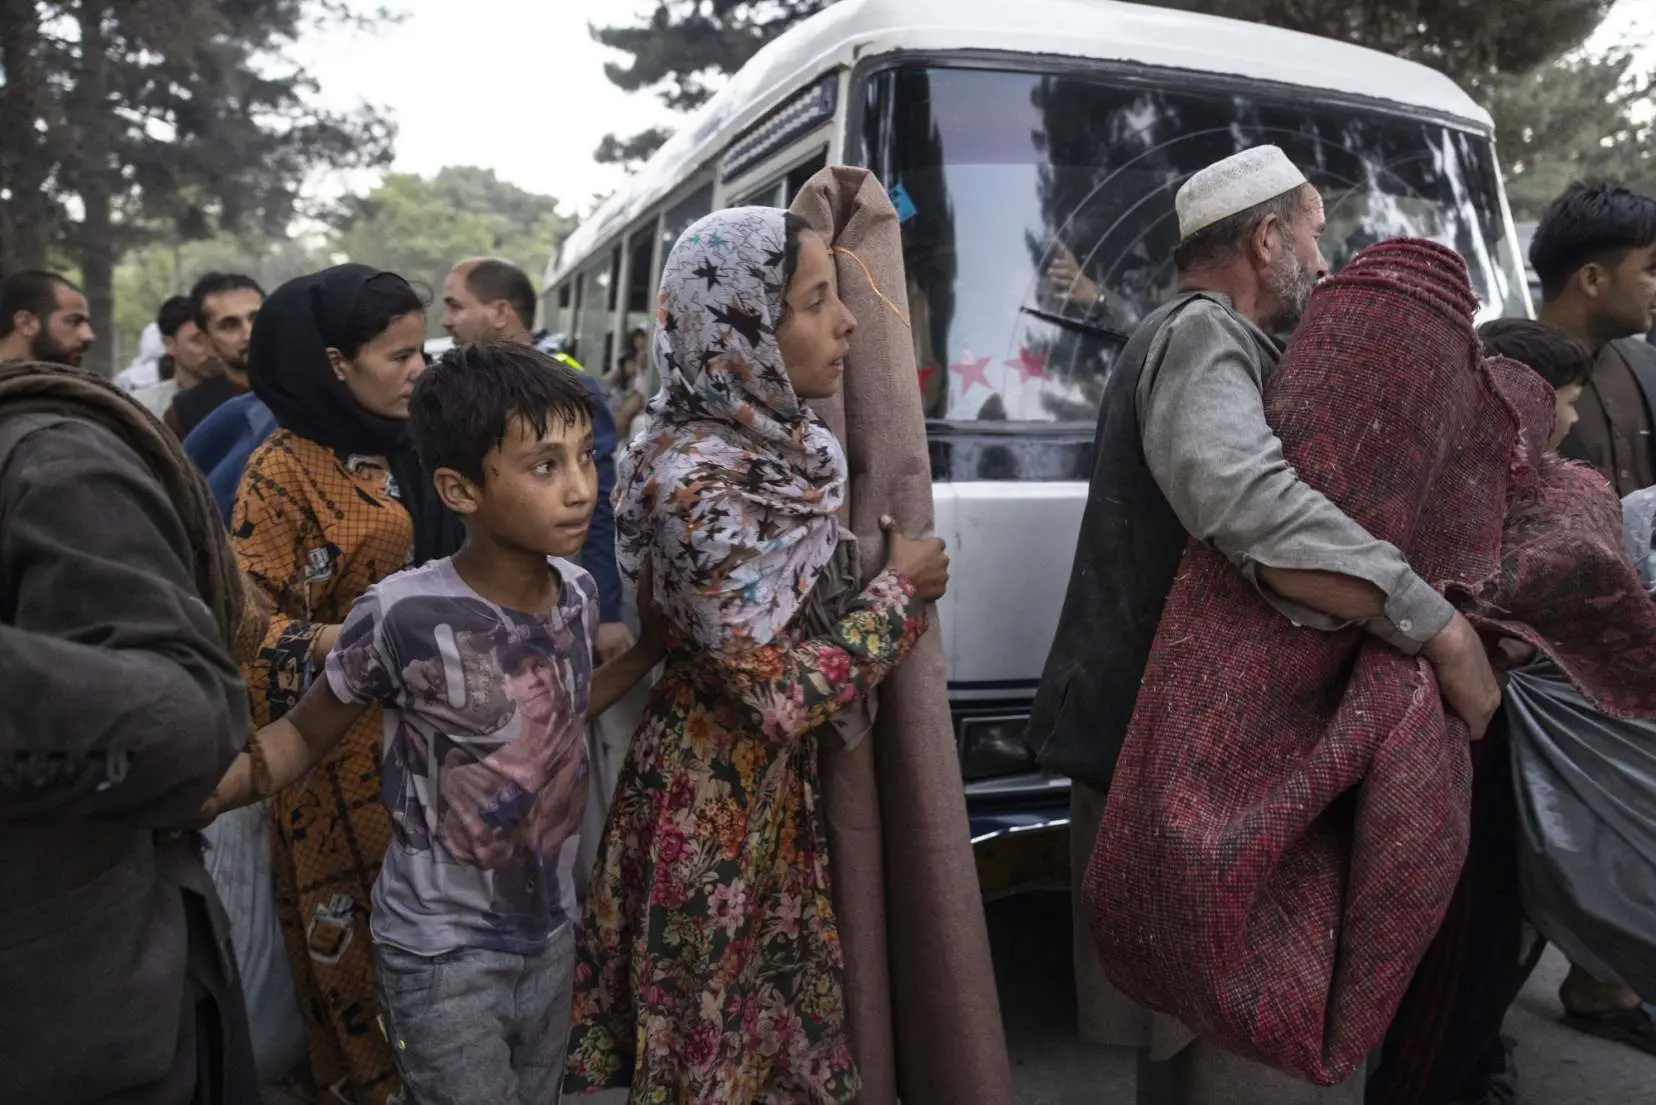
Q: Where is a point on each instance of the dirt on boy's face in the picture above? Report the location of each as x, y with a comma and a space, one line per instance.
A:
539, 490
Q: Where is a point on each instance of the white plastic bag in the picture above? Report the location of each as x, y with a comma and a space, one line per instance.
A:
238, 859
607, 741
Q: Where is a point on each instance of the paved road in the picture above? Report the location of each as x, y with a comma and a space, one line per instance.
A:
1031, 935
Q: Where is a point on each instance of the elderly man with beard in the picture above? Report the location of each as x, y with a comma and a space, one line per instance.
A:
43, 317
1183, 450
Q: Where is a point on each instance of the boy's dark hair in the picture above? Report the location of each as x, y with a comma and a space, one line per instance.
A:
382, 300
1593, 221
1560, 359
492, 280
31, 290
174, 313
1221, 244
217, 283
519, 656
463, 404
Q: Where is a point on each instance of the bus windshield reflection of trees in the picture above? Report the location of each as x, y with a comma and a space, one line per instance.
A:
1041, 229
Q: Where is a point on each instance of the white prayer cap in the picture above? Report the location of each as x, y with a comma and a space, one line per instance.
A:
1231, 186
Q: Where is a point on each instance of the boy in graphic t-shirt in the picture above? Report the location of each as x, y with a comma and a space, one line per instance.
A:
483, 663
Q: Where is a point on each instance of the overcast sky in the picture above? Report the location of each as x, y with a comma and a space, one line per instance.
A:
518, 85
514, 85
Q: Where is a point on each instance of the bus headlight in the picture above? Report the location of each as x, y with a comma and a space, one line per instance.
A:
994, 746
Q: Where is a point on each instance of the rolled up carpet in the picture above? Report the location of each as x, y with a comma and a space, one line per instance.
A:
919, 984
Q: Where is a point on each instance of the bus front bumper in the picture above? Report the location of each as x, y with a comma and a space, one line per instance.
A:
1020, 833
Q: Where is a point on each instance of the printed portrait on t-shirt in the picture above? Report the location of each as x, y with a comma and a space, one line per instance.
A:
485, 769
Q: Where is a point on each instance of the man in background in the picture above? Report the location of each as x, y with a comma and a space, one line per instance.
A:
187, 359
486, 299
43, 317
1595, 252
225, 305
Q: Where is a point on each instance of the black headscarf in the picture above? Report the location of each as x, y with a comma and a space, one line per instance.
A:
290, 373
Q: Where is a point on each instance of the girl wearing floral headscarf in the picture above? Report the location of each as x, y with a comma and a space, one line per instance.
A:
709, 965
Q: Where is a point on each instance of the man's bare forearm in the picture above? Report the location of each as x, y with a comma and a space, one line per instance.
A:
1339, 596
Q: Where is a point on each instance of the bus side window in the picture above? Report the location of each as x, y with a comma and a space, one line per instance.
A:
766, 196
678, 220
593, 325
573, 348
639, 276
802, 175
781, 191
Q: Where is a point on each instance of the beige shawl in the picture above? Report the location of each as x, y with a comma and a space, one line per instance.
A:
919, 989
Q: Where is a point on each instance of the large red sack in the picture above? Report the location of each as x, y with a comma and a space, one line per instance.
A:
1289, 816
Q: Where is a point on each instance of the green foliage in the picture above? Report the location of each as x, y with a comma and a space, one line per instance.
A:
1467, 39
130, 121
413, 225
1574, 120
216, 128
686, 44
633, 151
683, 48
149, 275
420, 227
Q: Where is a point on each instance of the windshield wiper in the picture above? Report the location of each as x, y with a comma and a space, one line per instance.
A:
1076, 325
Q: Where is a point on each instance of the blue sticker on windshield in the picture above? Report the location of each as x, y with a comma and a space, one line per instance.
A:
900, 200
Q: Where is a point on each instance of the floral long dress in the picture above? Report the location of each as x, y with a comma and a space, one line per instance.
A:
313, 532
709, 966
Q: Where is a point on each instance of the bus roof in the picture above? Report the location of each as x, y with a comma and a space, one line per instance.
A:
1139, 33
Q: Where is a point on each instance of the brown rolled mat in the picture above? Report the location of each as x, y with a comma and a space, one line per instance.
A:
920, 987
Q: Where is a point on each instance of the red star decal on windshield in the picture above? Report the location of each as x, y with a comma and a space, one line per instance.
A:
926, 372
1030, 363
971, 369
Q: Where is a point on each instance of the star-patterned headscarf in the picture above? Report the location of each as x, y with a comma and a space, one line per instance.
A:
733, 487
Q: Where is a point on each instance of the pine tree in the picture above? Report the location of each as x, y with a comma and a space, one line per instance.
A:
147, 117
1571, 121
681, 51
1470, 40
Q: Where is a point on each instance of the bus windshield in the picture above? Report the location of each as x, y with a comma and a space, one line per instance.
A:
1038, 221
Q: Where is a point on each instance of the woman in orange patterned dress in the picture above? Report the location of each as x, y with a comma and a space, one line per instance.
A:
332, 503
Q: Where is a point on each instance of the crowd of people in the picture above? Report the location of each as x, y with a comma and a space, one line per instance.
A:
390, 606
428, 615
